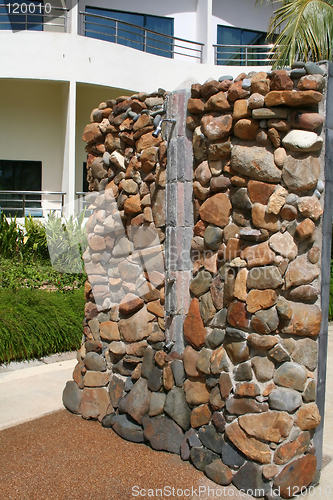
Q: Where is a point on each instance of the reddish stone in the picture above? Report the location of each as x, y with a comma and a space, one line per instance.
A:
258, 255
90, 310
267, 426
274, 137
148, 159
280, 80
94, 403
216, 127
262, 220
216, 210
209, 88
200, 416
233, 249
199, 228
261, 342
92, 133
218, 102
308, 417
309, 206
238, 352
280, 125
196, 392
311, 82
109, 330
155, 307
97, 243
306, 121
260, 299
130, 304
132, 205
252, 448
260, 192
295, 476
305, 229
147, 141
236, 91
288, 451
292, 98
220, 183
195, 106
225, 384
247, 389
168, 381
194, 330
288, 212
238, 316
305, 320
260, 84
241, 109
246, 129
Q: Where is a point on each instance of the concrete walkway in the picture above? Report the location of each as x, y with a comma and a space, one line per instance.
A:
31, 390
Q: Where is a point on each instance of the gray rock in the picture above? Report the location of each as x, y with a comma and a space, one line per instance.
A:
298, 64
218, 421
300, 174
226, 77
123, 247
215, 338
235, 335
138, 400
297, 73
148, 363
162, 433
279, 354
231, 456
207, 309
155, 379
249, 478
72, 397
306, 353
249, 234
203, 361
128, 384
241, 406
185, 450
243, 371
193, 439
213, 237
265, 321
263, 368
270, 113
302, 140
95, 362
116, 389
201, 283
291, 375
292, 199
255, 162
263, 278
313, 69
284, 399
220, 319
201, 457
178, 372
127, 429
177, 408
309, 393
241, 199
157, 401
210, 438
246, 84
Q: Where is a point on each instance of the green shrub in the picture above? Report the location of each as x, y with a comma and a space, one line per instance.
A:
34, 323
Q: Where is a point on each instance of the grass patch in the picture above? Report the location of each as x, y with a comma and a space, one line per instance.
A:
35, 323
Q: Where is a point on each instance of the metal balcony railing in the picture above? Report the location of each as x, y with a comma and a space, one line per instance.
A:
243, 55
34, 17
131, 35
34, 203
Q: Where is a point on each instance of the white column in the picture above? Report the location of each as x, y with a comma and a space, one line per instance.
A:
204, 29
68, 173
74, 18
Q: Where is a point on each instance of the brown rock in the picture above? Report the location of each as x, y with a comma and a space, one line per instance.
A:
308, 417
196, 392
309, 206
94, 403
238, 316
236, 91
280, 80
284, 244
267, 426
109, 331
263, 139
219, 150
225, 385
220, 183
194, 330
200, 191
142, 122
301, 272
270, 471
247, 389
261, 342
258, 255
202, 173
260, 84
218, 102
246, 129
241, 406
190, 358
233, 249
288, 212
216, 127
219, 361
148, 159
200, 416
305, 320
305, 229
304, 293
240, 290
92, 133
217, 292
147, 141
209, 88
155, 307
130, 304
237, 352
216, 210
311, 82
296, 476
132, 205
256, 101
306, 121
241, 109
314, 254
262, 220
218, 472
215, 400
260, 192
301, 174
195, 106
90, 310
260, 299
96, 379
288, 451
168, 381
252, 448
199, 228
136, 327
293, 98
280, 125
274, 136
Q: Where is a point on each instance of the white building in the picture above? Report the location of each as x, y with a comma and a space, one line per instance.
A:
56, 67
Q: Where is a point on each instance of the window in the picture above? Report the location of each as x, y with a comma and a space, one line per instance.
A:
20, 176
238, 56
18, 21
112, 27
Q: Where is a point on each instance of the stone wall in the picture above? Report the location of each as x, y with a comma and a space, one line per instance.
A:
236, 392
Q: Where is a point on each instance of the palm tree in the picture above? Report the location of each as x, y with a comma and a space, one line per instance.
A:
301, 30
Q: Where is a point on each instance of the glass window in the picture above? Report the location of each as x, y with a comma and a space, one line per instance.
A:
14, 18
238, 56
20, 176
112, 27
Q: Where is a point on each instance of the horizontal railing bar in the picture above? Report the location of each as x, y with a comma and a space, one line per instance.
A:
244, 46
3, 6
138, 27
5, 191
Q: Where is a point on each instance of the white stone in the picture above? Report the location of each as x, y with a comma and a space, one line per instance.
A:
283, 244
118, 159
302, 140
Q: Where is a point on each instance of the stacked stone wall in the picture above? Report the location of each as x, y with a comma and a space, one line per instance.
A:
239, 401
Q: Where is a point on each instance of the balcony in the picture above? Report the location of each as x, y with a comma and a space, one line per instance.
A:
143, 39
33, 17
243, 55
34, 203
